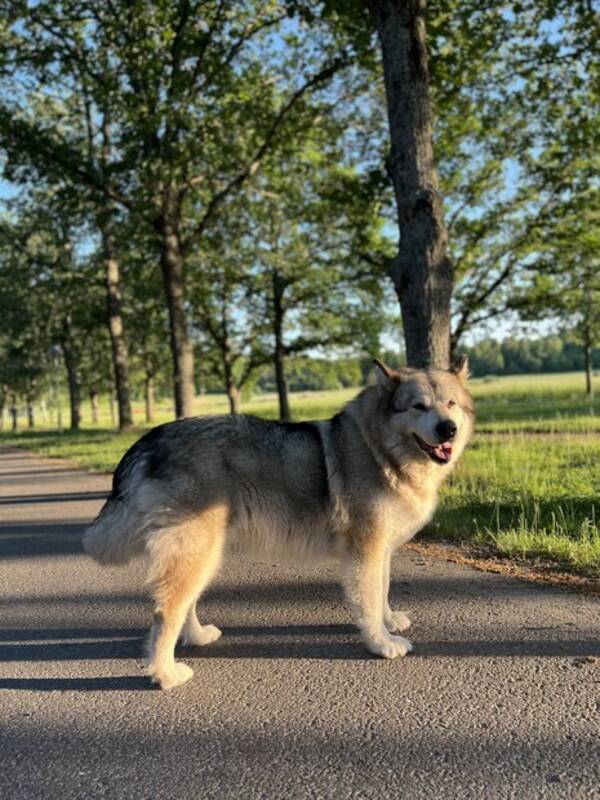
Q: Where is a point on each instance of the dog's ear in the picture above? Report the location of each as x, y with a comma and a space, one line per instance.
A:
387, 378
461, 368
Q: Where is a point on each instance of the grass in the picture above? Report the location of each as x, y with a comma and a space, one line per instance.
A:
528, 486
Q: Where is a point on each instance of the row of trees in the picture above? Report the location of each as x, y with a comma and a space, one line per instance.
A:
513, 356
206, 183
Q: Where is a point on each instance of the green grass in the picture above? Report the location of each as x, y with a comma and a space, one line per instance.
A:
527, 495
527, 487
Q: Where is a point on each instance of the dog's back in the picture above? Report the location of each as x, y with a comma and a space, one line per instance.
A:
271, 477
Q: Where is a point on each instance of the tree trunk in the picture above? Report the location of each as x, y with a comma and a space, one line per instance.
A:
233, 393
14, 412
2, 404
422, 273
588, 340
150, 396
30, 413
171, 261
279, 354
94, 404
234, 397
120, 355
74, 384
589, 385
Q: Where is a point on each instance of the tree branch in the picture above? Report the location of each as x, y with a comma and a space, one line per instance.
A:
253, 165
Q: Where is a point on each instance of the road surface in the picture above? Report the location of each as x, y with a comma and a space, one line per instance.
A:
500, 699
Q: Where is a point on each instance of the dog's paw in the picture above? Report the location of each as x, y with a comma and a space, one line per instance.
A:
169, 679
390, 647
397, 621
201, 635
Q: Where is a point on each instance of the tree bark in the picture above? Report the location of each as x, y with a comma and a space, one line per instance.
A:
171, 260
285, 414
422, 273
589, 384
233, 393
14, 412
234, 397
588, 339
30, 413
94, 404
120, 355
73, 383
150, 397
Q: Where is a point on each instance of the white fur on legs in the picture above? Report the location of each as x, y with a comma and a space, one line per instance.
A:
363, 578
161, 664
183, 559
390, 646
193, 633
394, 621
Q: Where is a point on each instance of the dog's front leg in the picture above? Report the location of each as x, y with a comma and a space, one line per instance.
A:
394, 621
363, 579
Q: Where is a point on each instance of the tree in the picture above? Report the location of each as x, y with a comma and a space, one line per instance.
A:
285, 277
62, 134
421, 272
195, 109
506, 82
49, 295
564, 276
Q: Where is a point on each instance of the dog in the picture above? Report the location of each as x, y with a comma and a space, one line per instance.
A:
350, 489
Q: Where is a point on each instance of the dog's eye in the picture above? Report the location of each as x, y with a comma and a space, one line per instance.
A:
420, 406
451, 403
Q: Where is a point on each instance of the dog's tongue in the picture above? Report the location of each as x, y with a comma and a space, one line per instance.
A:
444, 451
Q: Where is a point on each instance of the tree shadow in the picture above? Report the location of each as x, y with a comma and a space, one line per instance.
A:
125, 683
64, 497
34, 539
331, 642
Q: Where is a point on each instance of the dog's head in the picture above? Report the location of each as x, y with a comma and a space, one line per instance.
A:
425, 413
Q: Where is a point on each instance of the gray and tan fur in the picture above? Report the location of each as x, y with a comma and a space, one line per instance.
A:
350, 489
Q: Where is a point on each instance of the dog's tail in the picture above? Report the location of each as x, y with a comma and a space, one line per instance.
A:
117, 533
113, 537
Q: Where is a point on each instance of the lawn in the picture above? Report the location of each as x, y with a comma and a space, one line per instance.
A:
528, 486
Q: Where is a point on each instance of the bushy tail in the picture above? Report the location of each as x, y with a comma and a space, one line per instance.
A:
113, 537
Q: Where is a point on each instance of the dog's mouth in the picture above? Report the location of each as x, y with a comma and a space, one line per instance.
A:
440, 453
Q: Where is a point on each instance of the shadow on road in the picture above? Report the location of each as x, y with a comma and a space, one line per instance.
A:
34, 539
67, 497
124, 683
322, 642
240, 759
17, 475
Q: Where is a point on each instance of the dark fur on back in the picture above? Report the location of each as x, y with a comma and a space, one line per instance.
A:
156, 446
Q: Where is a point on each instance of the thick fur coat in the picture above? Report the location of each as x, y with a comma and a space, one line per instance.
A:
350, 490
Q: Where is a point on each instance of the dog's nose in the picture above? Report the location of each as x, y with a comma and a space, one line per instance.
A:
446, 430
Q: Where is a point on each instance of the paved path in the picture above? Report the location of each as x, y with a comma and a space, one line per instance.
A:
500, 699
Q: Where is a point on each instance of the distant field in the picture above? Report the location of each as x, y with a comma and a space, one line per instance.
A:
529, 485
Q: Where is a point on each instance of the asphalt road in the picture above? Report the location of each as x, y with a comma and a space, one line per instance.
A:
500, 699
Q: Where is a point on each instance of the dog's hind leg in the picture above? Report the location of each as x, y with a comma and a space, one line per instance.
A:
394, 621
193, 633
363, 578
183, 560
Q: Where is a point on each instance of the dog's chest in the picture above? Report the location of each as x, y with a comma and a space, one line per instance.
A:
407, 513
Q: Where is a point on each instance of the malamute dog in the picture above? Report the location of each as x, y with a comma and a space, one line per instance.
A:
350, 489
